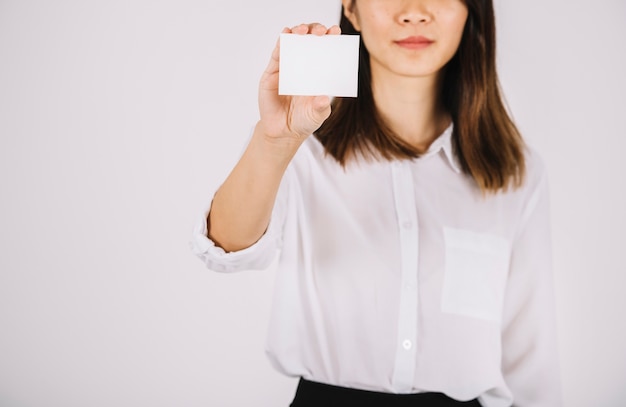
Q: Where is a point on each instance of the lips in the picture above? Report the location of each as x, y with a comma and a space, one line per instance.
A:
414, 42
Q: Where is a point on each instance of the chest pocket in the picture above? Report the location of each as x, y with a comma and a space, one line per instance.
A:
476, 268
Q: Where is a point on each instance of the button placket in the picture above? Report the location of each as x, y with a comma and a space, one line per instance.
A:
406, 212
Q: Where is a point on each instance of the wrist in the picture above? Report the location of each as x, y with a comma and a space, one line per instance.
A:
277, 146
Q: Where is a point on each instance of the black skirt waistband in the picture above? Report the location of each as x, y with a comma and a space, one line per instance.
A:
313, 394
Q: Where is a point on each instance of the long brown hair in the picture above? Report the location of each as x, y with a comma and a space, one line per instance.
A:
485, 139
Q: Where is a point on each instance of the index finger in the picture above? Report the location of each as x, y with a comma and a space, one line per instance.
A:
334, 30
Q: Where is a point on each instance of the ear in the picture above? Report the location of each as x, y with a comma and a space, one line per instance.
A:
349, 10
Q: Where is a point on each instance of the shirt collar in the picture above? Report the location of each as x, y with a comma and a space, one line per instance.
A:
444, 143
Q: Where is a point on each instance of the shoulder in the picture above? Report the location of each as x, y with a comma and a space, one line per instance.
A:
534, 186
312, 155
535, 190
535, 169
312, 148
309, 161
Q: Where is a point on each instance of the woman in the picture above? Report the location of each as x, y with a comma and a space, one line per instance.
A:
413, 225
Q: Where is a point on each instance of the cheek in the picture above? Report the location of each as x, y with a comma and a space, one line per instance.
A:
453, 17
374, 33
455, 26
460, 19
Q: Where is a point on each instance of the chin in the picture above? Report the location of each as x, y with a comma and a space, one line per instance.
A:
417, 72
412, 68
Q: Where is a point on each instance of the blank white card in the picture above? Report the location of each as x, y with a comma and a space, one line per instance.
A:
312, 65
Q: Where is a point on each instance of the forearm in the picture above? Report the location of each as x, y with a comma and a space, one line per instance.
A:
242, 207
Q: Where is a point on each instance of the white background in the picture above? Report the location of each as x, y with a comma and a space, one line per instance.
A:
117, 120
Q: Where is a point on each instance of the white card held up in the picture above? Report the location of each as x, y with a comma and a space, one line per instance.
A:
312, 65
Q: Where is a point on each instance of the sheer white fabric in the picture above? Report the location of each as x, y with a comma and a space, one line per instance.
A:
402, 277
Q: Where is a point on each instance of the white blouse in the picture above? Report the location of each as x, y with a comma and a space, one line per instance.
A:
402, 277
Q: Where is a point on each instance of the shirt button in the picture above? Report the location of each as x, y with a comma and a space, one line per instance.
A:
407, 344
407, 225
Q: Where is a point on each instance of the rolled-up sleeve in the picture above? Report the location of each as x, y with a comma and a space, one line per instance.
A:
255, 257
530, 362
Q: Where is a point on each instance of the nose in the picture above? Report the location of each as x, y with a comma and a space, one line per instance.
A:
414, 12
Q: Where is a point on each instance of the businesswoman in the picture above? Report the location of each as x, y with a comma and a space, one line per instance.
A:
412, 222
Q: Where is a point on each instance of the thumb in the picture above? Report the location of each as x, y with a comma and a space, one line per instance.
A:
321, 109
315, 112
321, 103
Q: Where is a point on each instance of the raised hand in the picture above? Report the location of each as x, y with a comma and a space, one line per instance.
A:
291, 118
